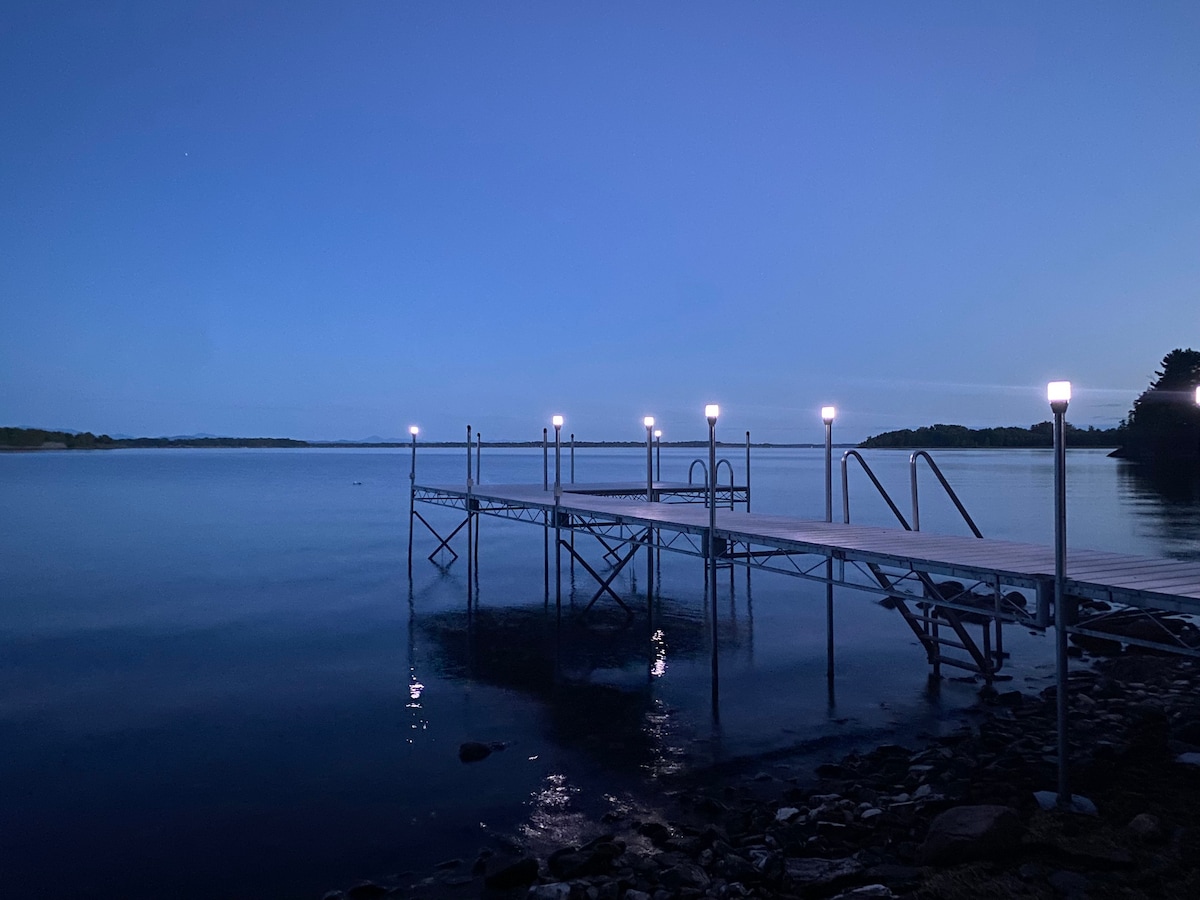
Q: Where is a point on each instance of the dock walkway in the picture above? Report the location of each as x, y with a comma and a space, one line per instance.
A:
1133, 581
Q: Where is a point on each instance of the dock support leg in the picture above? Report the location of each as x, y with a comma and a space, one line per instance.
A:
712, 558
412, 498
650, 565
829, 619
1060, 612
827, 418
470, 554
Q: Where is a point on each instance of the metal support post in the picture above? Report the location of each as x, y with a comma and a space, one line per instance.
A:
658, 456
572, 457
558, 422
711, 413
827, 417
470, 524
545, 524
1059, 407
412, 496
747, 471
649, 423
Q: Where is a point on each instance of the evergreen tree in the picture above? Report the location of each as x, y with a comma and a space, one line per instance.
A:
1164, 424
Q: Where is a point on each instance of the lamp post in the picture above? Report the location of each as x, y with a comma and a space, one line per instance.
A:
412, 493
557, 422
648, 421
711, 411
828, 413
658, 447
1059, 395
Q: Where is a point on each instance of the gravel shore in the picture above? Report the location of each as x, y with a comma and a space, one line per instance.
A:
966, 815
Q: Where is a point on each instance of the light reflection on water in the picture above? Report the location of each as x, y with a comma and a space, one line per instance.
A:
214, 654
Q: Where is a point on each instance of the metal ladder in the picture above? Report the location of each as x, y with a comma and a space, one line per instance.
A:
931, 614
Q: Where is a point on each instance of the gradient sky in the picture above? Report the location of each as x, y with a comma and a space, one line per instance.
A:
331, 220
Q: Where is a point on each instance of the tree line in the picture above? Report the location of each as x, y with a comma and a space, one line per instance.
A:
961, 437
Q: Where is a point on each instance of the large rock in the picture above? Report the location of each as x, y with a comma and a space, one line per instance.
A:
967, 833
507, 877
473, 751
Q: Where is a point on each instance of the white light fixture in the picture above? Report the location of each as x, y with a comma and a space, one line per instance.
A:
712, 411
557, 421
648, 421
658, 432
1058, 391
1198, 395
827, 414
414, 430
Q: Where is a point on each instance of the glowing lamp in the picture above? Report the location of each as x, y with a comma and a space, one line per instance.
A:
658, 431
1058, 391
712, 411
414, 430
648, 421
557, 421
827, 414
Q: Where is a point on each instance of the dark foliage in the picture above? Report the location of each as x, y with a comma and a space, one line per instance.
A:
961, 437
39, 439
1163, 428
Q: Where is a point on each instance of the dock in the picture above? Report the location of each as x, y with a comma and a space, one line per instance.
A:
956, 593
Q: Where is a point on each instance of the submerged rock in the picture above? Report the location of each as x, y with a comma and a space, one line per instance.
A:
473, 751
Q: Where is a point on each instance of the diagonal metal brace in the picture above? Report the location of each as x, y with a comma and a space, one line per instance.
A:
444, 541
606, 583
610, 552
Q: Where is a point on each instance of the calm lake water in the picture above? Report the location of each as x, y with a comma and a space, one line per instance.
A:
216, 678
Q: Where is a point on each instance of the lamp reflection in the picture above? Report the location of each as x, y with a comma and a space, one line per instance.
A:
658, 644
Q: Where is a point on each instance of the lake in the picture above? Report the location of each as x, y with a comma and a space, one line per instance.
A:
216, 678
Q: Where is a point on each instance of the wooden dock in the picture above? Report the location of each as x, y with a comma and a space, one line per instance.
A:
943, 586
909, 567
1139, 581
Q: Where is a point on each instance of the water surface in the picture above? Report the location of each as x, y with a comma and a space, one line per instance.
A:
216, 678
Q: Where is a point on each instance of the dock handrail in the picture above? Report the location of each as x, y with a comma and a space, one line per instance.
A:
875, 481
916, 514
703, 467
727, 464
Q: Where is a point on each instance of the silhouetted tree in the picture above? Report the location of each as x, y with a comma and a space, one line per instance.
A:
1164, 425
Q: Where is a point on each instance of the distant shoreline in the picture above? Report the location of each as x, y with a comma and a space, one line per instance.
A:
289, 444
936, 437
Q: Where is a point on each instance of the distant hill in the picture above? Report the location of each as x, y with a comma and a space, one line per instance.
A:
961, 437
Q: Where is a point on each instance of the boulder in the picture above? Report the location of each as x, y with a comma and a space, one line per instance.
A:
473, 751
518, 874
966, 833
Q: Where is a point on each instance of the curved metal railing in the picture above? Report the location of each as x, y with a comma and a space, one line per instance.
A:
717, 478
916, 511
703, 468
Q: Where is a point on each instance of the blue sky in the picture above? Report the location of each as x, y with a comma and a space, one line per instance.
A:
327, 220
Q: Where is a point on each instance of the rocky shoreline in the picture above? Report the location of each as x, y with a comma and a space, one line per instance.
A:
967, 815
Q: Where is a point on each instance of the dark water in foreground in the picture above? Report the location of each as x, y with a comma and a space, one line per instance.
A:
217, 680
